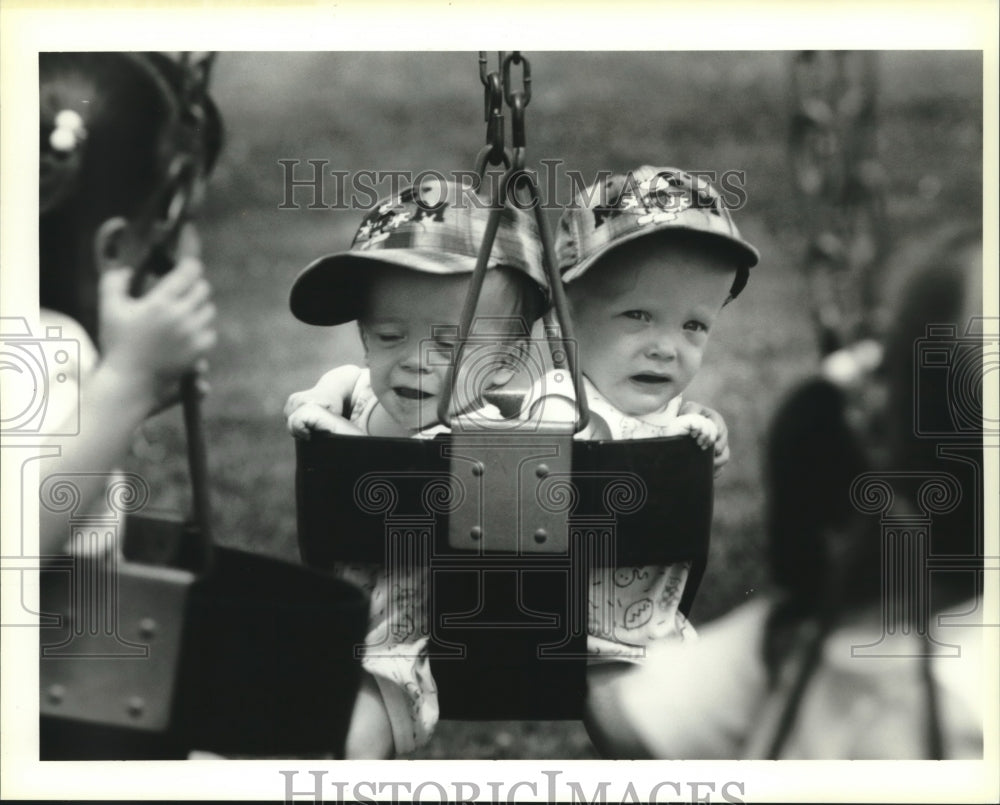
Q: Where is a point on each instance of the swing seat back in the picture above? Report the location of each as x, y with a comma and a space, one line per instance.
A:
150, 661
504, 529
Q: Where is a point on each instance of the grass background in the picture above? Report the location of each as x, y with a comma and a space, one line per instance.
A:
594, 111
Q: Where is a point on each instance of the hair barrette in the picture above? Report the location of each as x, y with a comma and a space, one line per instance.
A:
852, 365
69, 131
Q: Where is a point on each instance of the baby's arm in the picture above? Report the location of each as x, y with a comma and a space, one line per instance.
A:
321, 407
708, 427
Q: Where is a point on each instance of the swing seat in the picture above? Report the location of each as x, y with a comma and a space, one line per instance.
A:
253, 657
507, 527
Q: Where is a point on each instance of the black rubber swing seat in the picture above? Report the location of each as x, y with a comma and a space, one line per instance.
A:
507, 526
254, 657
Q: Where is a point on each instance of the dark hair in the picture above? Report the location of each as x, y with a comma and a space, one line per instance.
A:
812, 458
131, 113
945, 294
935, 411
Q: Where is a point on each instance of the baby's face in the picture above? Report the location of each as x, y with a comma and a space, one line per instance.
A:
408, 353
642, 332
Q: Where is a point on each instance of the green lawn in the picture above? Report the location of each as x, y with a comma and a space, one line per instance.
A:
405, 111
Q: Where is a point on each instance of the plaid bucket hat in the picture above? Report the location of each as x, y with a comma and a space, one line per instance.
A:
625, 207
435, 228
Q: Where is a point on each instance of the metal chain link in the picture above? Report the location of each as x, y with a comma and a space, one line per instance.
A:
493, 153
841, 189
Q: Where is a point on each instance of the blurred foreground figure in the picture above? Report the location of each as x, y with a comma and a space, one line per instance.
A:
870, 645
125, 148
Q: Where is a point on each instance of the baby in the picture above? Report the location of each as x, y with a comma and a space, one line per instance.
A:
649, 259
404, 281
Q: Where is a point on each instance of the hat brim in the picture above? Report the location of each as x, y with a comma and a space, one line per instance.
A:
745, 255
331, 290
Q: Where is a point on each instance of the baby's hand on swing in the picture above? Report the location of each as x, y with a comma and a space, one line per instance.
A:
718, 435
310, 417
700, 428
332, 391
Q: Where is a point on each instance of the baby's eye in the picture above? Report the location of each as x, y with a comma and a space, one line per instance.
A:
388, 338
638, 315
696, 326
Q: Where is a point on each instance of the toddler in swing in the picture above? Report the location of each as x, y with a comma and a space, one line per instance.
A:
648, 261
120, 157
404, 281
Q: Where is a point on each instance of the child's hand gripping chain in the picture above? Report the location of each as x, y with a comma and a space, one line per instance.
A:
153, 340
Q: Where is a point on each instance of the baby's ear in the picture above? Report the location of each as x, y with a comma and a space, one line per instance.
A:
115, 245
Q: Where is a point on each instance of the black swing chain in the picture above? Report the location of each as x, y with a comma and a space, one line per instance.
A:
494, 152
167, 214
517, 100
559, 333
841, 188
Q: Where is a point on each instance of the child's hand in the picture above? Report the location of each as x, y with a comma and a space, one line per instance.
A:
721, 437
700, 428
309, 417
151, 341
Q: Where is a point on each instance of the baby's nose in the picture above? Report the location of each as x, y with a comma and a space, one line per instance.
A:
662, 347
412, 362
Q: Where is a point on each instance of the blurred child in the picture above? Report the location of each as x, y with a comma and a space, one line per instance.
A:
850, 657
404, 281
126, 140
649, 260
